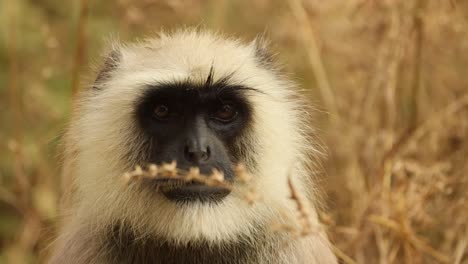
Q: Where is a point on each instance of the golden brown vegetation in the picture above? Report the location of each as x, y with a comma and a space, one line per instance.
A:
388, 75
169, 174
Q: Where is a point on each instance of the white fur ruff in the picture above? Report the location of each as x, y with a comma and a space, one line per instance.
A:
104, 127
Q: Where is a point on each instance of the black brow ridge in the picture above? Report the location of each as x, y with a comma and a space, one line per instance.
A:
220, 85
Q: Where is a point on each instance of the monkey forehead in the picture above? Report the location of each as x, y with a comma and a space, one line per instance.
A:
191, 56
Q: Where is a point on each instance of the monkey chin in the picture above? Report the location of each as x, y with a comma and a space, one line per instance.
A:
195, 220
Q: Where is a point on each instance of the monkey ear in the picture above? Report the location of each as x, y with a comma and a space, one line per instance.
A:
111, 62
262, 53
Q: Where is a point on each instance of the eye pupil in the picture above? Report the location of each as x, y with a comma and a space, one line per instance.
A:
161, 111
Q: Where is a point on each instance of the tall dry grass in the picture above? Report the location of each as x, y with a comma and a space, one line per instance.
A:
388, 77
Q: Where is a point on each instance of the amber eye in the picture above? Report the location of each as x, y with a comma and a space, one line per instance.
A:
161, 112
226, 113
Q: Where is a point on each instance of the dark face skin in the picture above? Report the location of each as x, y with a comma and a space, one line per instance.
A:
197, 127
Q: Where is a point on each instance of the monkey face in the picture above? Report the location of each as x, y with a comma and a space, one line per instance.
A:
196, 126
204, 102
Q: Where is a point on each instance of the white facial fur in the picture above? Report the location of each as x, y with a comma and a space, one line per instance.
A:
104, 127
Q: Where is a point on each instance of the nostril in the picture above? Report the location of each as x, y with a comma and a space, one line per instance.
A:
196, 155
189, 155
207, 153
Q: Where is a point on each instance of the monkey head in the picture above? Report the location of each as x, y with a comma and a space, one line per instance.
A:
202, 101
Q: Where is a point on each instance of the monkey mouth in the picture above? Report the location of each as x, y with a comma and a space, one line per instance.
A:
193, 191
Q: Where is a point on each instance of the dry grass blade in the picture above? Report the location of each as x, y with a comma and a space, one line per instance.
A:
412, 238
342, 256
169, 174
250, 194
302, 208
456, 106
80, 46
461, 249
314, 56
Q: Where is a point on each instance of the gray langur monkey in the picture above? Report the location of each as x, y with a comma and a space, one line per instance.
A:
202, 100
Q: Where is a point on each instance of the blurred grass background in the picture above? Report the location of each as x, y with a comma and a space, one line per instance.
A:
389, 78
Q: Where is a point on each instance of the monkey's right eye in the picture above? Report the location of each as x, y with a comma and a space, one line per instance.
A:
161, 112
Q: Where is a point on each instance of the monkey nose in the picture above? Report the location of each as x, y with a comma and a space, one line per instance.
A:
197, 153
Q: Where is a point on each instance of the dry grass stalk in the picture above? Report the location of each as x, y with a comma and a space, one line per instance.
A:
306, 225
461, 248
303, 210
314, 56
342, 256
15, 145
250, 194
167, 172
80, 46
408, 235
27, 237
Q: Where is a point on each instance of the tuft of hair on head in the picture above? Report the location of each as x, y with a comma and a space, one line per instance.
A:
111, 62
263, 52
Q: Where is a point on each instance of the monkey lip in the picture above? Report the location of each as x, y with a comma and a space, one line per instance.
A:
192, 192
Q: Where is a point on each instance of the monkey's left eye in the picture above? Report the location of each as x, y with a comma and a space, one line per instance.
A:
161, 112
226, 113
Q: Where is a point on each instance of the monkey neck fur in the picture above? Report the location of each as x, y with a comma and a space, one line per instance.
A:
123, 246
